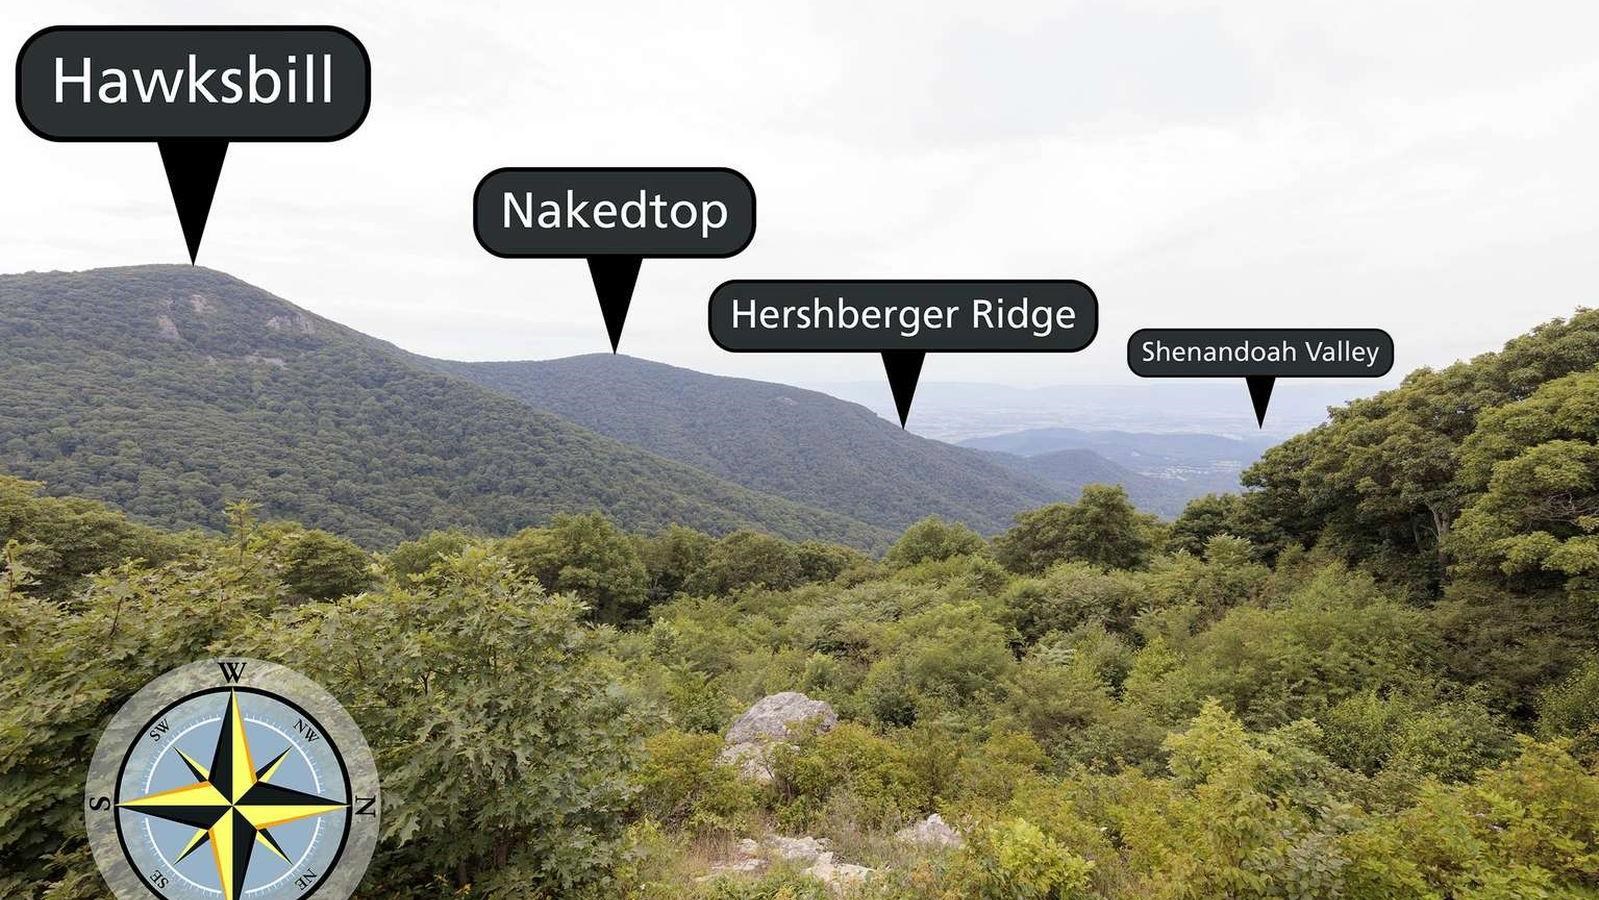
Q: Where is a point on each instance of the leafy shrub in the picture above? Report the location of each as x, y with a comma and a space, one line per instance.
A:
1525, 829
1570, 708
784, 883
849, 765
1014, 860
1331, 639
1425, 735
681, 783
505, 749
1067, 596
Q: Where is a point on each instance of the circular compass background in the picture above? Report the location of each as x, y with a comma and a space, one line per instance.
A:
232, 779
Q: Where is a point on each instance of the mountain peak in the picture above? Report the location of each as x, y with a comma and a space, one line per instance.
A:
171, 390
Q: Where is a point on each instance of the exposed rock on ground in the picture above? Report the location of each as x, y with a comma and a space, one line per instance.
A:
800, 848
751, 858
837, 875
932, 831
770, 721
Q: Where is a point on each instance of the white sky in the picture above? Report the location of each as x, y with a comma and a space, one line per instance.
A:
1428, 168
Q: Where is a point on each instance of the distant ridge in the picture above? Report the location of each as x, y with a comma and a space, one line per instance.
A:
1167, 469
1069, 471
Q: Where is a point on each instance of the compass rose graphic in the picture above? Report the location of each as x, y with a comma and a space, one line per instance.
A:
232, 780
232, 805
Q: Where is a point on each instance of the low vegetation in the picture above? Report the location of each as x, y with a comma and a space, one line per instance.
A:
1373, 674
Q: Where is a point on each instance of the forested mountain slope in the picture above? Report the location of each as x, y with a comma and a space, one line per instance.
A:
169, 390
799, 444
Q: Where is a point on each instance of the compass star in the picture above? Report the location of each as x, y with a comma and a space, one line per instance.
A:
232, 804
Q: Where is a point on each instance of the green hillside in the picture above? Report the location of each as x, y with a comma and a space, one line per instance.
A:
1374, 675
803, 445
168, 390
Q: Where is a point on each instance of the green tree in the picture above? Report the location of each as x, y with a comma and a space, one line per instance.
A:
1101, 528
588, 556
1378, 483
931, 539
822, 561
416, 557
61, 540
672, 557
504, 745
1534, 468
1202, 519
746, 559
315, 565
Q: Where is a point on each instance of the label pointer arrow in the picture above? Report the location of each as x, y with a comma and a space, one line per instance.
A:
614, 280
193, 168
904, 367
1260, 395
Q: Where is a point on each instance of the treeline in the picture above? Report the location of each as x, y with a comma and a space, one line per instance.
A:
1484, 470
1371, 675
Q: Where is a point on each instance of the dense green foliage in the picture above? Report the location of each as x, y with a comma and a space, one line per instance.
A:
1101, 528
168, 391
504, 685
60, 540
1505, 439
1274, 696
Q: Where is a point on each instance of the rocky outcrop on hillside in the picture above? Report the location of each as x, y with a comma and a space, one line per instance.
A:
772, 720
932, 831
752, 857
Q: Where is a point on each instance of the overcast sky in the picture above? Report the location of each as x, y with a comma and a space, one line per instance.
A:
1427, 168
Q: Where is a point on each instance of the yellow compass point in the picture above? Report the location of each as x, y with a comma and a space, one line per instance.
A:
200, 834
198, 770
272, 767
202, 794
241, 768
265, 840
224, 852
268, 816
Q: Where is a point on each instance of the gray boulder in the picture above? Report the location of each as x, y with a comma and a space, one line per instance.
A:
932, 831
773, 719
